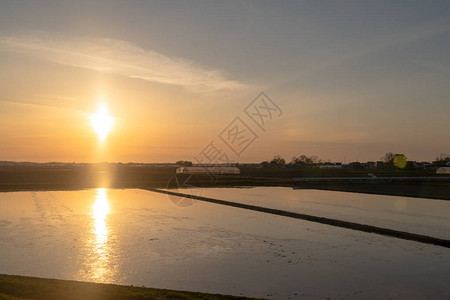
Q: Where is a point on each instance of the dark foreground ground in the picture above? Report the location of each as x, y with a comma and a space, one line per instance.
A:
20, 287
72, 177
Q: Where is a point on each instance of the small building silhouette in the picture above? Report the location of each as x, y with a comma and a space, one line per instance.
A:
443, 170
214, 170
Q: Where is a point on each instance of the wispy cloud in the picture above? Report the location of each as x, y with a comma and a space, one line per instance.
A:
121, 58
38, 104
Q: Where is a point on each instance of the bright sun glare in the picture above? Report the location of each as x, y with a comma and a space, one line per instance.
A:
102, 122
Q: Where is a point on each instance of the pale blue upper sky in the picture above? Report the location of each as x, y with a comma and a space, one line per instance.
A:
355, 78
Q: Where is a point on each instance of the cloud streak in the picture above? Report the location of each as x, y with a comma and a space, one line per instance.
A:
122, 58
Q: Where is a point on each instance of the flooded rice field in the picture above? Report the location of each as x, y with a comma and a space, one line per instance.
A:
143, 238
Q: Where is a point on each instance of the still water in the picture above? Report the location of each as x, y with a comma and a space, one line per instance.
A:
417, 215
142, 238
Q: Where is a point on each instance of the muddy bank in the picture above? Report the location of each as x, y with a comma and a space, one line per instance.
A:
68, 177
419, 190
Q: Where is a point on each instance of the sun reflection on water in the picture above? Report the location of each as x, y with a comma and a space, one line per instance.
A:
101, 210
99, 268
98, 265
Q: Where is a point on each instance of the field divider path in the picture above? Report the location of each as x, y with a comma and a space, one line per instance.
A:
328, 221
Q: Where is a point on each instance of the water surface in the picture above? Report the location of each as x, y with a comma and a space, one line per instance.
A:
418, 215
141, 238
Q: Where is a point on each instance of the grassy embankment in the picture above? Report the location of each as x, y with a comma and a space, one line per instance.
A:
21, 288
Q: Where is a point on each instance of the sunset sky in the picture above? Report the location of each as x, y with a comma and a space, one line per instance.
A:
354, 79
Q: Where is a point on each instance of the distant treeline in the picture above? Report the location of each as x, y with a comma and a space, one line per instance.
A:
389, 160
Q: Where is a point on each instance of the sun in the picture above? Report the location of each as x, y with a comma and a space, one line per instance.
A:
102, 122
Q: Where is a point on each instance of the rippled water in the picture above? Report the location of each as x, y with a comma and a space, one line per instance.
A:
141, 238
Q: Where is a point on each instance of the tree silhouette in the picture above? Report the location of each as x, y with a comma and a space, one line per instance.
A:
305, 160
443, 157
278, 161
